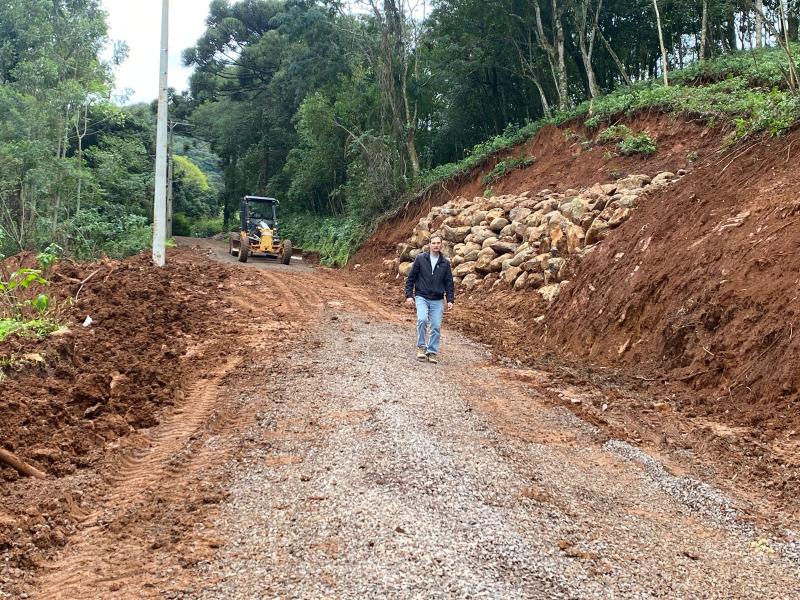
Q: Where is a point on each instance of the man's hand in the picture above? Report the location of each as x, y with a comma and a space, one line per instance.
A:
449, 306
410, 301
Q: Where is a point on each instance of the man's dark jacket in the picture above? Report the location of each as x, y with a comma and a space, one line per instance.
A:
432, 285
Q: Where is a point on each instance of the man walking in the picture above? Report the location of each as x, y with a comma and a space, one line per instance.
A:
430, 279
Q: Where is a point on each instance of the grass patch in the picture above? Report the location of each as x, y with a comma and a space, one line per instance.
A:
639, 143
505, 166
33, 328
615, 133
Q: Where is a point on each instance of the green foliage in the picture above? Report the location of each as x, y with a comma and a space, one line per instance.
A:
638, 143
615, 133
35, 327
505, 166
192, 193
21, 312
107, 230
335, 239
206, 227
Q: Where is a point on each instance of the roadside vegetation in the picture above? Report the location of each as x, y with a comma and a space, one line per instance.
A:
25, 306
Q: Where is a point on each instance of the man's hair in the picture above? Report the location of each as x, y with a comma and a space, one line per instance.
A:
434, 236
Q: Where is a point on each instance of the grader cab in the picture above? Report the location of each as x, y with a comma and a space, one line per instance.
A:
258, 231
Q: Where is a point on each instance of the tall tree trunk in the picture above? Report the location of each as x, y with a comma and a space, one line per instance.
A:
792, 77
759, 23
704, 31
622, 71
665, 65
554, 49
588, 31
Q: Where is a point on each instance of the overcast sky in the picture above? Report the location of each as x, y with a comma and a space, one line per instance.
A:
139, 24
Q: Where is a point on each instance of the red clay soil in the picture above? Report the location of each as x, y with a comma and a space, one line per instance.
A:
66, 399
684, 320
701, 286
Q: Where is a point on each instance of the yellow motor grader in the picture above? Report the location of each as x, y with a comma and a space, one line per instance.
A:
258, 231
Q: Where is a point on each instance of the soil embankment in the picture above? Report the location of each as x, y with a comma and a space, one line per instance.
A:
682, 319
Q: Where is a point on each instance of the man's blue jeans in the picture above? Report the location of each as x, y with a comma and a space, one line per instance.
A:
429, 311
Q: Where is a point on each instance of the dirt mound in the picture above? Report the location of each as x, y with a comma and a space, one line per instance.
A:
700, 286
66, 399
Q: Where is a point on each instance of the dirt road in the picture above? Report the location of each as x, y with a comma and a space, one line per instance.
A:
310, 456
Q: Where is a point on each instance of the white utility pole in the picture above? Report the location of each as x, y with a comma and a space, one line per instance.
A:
160, 206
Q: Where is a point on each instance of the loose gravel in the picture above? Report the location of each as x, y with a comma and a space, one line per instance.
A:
375, 476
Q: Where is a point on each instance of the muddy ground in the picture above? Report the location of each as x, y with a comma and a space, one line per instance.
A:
179, 433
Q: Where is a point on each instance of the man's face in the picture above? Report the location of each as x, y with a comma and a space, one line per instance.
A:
436, 245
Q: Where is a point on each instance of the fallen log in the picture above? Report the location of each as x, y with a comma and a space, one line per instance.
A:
22, 467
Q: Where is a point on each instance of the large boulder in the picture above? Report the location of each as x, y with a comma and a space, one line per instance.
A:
575, 209
465, 268
470, 281
478, 217
534, 234
485, 258
496, 265
633, 182
523, 256
495, 213
419, 238
487, 243
405, 268
574, 235
480, 234
519, 213
404, 252
521, 281
549, 292
497, 224
471, 251
455, 235
504, 247
663, 178
598, 231
619, 217
510, 275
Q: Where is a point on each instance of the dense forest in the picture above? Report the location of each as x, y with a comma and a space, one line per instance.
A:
342, 110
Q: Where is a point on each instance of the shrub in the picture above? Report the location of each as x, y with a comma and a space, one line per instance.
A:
640, 143
505, 166
335, 239
615, 133
207, 226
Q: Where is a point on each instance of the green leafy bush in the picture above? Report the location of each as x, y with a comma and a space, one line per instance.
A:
505, 166
639, 143
20, 311
206, 227
615, 133
335, 239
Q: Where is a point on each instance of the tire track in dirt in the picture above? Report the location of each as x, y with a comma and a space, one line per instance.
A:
99, 564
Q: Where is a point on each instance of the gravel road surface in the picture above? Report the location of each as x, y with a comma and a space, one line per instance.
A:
375, 476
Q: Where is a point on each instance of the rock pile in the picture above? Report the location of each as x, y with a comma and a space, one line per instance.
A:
524, 241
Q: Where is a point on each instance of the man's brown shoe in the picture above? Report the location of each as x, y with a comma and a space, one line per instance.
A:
421, 353
432, 358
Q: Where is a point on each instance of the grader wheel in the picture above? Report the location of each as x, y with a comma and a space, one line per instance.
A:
286, 257
244, 250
